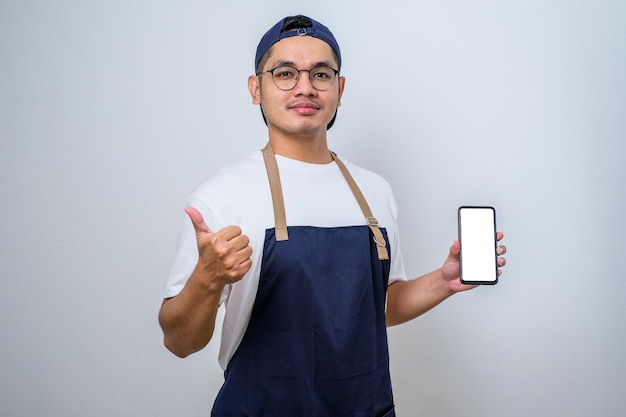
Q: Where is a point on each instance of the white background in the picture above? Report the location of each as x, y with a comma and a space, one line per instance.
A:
112, 112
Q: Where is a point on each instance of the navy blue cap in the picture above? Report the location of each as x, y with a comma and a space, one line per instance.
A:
317, 30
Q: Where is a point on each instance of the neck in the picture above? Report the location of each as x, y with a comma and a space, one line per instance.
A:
311, 149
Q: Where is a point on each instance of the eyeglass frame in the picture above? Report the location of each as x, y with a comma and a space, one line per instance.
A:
271, 71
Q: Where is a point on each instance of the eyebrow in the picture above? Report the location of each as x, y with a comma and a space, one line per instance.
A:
293, 64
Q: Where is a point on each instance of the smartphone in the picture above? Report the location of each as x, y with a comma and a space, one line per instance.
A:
477, 235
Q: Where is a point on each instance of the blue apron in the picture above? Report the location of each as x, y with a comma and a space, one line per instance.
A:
316, 343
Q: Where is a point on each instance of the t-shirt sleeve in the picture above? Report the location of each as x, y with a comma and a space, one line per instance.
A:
396, 271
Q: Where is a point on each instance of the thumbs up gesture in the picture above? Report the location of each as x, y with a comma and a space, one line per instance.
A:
223, 256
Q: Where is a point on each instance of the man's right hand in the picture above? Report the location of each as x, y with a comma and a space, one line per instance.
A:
223, 256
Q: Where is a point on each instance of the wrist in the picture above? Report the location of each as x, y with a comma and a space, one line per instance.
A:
205, 283
446, 285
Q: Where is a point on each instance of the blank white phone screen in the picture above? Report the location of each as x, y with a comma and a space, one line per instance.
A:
477, 235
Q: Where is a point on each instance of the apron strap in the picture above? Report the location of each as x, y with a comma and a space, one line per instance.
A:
280, 219
379, 239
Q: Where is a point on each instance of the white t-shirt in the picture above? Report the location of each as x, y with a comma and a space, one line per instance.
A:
315, 195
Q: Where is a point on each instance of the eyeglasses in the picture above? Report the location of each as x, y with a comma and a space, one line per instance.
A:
286, 77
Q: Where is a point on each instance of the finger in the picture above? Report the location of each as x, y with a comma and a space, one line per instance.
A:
455, 249
229, 233
499, 236
245, 255
501, 250
501, 261
198, 222
240, 242
245, 266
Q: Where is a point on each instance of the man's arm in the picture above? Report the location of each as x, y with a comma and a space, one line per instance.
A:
188, 320
407, 300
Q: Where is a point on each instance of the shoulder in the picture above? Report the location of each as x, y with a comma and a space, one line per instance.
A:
366, 178
237, 194
377, 192
232, 180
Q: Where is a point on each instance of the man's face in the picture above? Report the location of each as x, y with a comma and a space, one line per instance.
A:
303, 110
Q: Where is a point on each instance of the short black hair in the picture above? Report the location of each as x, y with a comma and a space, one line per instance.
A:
296, 22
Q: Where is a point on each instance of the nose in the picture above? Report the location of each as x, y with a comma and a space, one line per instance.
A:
303, 84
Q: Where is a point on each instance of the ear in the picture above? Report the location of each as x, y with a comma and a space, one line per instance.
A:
254, 86
342, 84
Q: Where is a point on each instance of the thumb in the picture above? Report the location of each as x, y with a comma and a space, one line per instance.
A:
455, 250
198, 222
450, 267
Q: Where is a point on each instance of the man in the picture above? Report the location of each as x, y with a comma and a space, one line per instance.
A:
303, 251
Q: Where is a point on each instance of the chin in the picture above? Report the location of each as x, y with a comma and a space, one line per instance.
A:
302, 129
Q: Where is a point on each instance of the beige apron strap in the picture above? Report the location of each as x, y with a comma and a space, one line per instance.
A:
379, 239
280, 219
